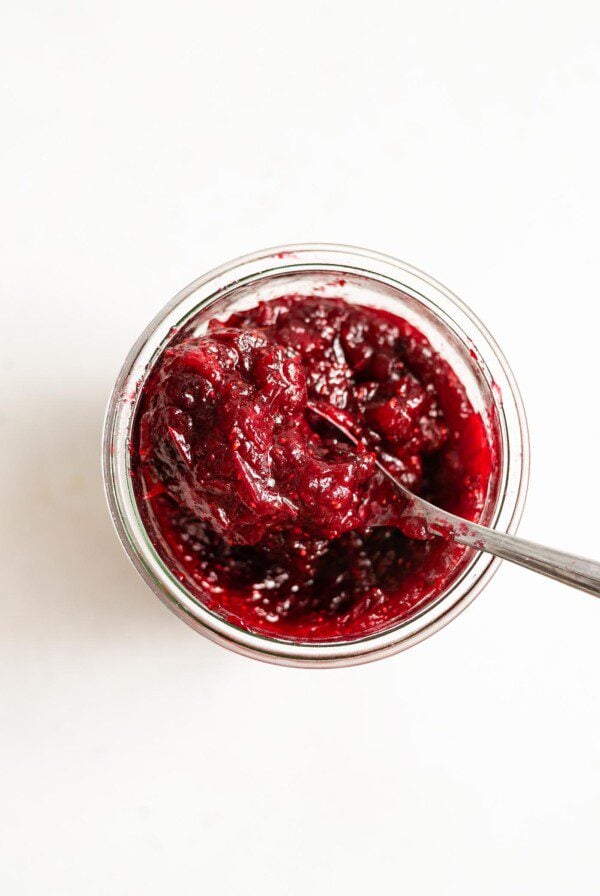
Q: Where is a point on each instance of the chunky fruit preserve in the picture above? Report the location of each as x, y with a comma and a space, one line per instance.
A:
266, 512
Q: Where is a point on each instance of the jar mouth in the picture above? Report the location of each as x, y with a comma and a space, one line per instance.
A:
243, 282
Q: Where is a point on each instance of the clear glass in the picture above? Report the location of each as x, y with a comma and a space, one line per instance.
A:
359, 276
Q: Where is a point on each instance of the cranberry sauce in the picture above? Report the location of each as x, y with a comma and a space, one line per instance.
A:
262, 509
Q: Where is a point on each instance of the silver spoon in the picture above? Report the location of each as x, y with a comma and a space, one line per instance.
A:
568, 568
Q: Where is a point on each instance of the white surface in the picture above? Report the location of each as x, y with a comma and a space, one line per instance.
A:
144, 143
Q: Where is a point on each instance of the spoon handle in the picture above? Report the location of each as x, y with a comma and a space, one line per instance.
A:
568, 568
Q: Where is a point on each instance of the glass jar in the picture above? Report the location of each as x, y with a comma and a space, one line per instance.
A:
358, 276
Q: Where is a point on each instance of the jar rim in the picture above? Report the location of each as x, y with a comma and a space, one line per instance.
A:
253, 268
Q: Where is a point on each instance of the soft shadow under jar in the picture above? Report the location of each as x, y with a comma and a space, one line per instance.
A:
230, 593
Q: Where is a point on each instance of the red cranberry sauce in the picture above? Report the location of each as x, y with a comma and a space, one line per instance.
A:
262, 509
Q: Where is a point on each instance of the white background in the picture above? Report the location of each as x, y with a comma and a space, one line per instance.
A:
144, 143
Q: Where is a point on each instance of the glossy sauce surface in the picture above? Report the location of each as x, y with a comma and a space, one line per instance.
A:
262, 509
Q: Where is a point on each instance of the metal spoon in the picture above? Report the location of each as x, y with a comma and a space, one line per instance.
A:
426, 518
